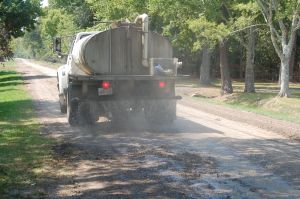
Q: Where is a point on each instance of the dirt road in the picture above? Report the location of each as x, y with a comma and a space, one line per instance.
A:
200, 156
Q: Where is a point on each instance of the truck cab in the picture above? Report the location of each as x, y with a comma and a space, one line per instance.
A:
69, 68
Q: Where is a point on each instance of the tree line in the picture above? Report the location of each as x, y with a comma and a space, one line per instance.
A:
247, 39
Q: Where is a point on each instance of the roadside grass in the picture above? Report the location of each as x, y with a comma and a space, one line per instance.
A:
264, 101
23, 152
267, 104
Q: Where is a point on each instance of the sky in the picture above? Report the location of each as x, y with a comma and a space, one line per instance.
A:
45, 3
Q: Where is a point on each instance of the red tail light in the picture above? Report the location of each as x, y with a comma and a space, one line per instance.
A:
162, 84
105, 85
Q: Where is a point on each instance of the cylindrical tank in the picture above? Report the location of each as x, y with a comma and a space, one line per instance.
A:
78, 55
119, 51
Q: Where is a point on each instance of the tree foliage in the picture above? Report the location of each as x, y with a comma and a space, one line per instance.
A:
80, 11
16, 17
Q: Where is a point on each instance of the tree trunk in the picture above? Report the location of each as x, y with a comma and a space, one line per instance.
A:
287, 48
292, 61
242, 68
226, 85
284, 76
249, 73
279, 76
205, 66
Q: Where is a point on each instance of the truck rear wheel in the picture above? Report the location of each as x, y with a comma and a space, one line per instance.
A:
63, 107
163, 112
72, 110
86, 115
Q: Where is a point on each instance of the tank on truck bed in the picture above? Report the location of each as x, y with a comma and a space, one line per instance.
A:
117, 71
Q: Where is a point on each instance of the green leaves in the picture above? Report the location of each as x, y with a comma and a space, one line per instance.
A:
16, 17
245, 14
117, 9
57, 22
80, 10
207, 33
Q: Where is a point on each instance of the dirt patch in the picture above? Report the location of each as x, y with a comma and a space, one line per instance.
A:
64, 149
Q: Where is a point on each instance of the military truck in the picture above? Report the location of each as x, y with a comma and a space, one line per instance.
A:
116, 72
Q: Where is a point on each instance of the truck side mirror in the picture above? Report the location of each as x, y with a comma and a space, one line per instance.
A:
57, 45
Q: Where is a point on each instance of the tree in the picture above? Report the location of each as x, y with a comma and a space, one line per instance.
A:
213, 28
250, 54
15, 18
245, 16
208, 35
226, 84
205, 66
80, 10
57, 22
30, 45
118, 9
283, 20
175, 26
192, 28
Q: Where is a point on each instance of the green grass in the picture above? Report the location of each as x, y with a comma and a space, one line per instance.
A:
22, 150
267, 104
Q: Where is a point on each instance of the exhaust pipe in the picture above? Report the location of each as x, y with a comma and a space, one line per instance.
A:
144, 21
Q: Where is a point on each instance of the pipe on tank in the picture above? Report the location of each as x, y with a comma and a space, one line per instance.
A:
144, 20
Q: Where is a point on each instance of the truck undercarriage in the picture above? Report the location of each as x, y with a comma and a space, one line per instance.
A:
117, 97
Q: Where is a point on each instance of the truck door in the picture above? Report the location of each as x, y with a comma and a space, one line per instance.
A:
69, 61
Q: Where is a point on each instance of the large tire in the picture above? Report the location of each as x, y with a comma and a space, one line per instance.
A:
86, 115
63, 107
62, 99
72, 109
161, 112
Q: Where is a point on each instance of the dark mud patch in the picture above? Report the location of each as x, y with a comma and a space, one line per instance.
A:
64, 149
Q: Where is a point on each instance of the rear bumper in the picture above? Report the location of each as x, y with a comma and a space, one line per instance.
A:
120, 77
134, 100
